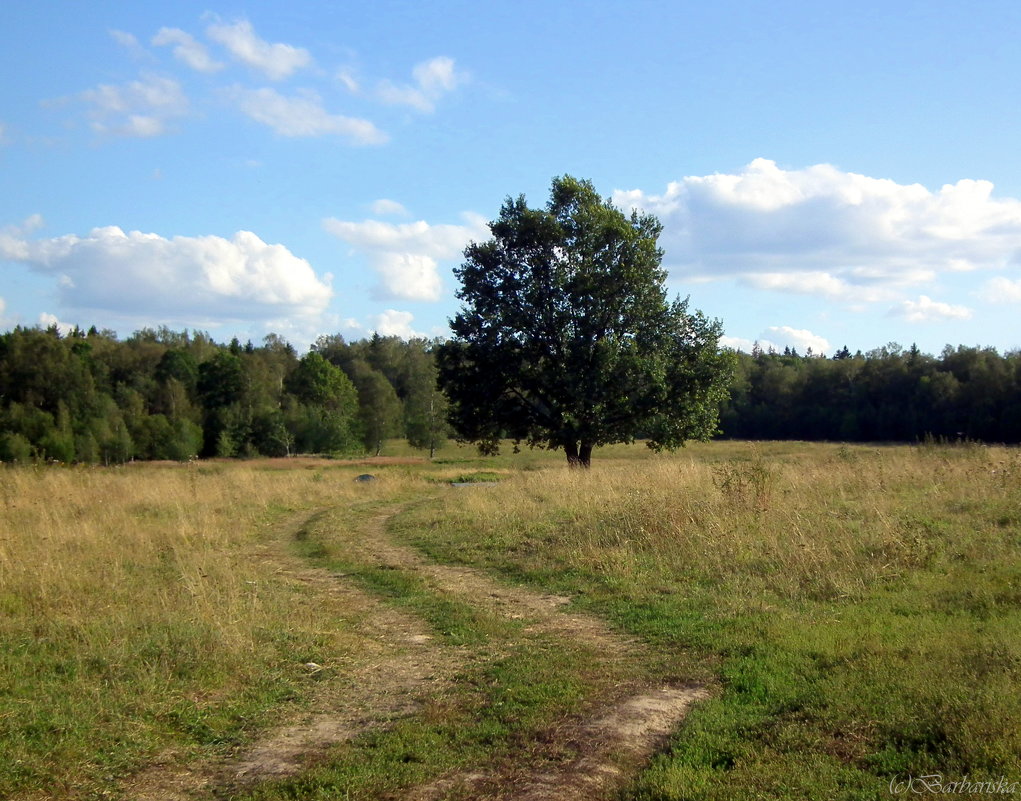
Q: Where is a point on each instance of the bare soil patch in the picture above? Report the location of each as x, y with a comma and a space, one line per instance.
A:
401, 666
601, 753
590, 756
602, 749
543, 612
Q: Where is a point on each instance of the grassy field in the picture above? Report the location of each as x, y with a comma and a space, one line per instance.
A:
854, 611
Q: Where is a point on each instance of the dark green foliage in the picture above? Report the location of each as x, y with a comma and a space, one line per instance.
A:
319, 430
410, 368
174, 395
269, 434
317, 382
221, 380
15, 447
566, 338
888, 394
179, 365
425, 406
161, 394
379, 407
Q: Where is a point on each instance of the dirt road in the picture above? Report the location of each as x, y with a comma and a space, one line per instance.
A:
597, 752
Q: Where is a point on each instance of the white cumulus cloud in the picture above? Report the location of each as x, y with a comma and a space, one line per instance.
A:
187, 50
393, 323
846, 235
141, 108
303, 115
275, 61
927, 310
800, 338
406, 256
46, 320
1001, 290
145, 275
432, 80
779, 337
14, 243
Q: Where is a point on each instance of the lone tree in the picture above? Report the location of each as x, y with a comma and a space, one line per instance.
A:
566, 339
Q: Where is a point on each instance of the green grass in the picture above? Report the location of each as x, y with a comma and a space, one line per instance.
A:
500, 712
856, 610
860, 606
515, 686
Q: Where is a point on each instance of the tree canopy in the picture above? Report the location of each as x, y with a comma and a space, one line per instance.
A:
87, 397
566, 338
887, 394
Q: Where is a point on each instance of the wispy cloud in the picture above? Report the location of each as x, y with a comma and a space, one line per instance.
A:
347, 77
274, 60
142, 108
130, 43
187, 49
432, 80
819, 284
384, 207
302, 115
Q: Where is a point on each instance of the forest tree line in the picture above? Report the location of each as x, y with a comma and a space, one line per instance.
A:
89, 397
889, 394
160, 394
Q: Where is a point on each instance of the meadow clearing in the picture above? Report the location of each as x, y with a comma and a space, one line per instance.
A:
827, 620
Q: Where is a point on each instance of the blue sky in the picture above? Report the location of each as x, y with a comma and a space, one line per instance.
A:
827, 173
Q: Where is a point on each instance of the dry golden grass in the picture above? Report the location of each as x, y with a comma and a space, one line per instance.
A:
144, 542
859, 605
149, 608
827, 521
145, 607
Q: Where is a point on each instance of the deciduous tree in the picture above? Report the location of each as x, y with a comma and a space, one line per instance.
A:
566, 338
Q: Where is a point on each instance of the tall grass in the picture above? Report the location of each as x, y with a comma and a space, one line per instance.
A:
859, 606
828, 524
856, 608
139, 612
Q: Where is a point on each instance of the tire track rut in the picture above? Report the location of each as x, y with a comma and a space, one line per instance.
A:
606, 746
596, 753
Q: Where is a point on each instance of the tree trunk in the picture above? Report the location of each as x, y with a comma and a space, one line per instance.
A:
578, 456
432, 429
